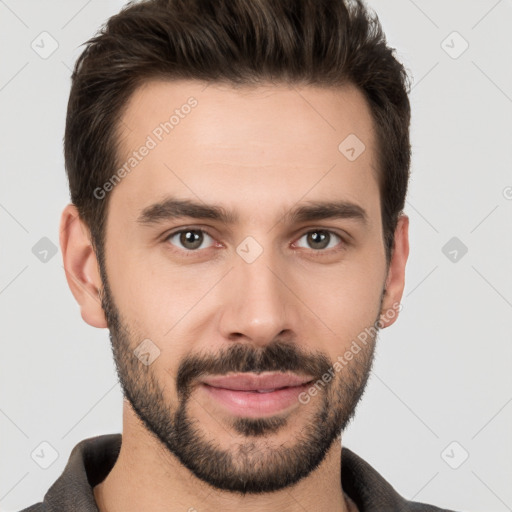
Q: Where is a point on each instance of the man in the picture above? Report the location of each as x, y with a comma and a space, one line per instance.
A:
238, 171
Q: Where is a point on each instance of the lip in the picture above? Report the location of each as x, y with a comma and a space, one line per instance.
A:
252, 395
254, 382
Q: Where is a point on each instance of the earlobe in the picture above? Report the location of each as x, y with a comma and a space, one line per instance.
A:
395, 281
81, 266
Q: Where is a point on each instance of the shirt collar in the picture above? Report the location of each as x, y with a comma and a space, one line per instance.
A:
92, 459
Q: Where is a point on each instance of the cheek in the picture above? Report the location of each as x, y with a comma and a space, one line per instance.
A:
161, 303
347, 301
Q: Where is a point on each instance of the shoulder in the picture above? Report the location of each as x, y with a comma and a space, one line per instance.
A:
370, 491
37, 507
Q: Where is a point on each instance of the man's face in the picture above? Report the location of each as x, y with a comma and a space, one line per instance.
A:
266, 293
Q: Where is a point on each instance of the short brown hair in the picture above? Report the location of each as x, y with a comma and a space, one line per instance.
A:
317, 42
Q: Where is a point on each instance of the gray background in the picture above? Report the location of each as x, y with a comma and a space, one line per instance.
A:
442, 372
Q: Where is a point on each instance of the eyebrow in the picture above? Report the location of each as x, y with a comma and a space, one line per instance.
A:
172, 208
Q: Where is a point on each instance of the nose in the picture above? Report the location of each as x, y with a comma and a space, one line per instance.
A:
258, 304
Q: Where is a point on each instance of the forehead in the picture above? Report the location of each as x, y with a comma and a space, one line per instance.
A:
268, 144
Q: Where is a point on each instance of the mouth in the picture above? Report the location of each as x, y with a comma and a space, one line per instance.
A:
253, 395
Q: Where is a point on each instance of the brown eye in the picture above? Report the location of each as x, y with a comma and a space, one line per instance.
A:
190, 239
319, 239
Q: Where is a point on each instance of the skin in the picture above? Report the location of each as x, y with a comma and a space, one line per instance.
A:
259, 152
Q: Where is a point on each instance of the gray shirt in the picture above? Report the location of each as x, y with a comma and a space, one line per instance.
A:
92, 459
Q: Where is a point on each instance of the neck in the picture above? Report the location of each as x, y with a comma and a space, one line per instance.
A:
146, 476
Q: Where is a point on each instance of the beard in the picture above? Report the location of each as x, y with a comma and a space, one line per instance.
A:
254, 465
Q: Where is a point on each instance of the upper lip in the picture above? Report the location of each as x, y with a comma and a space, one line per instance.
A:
253, 382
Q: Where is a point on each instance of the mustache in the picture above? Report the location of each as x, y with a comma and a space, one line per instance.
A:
241, 358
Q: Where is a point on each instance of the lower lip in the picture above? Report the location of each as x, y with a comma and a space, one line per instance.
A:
253, 404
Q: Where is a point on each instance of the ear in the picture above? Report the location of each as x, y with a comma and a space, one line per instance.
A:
395, 280
81, 266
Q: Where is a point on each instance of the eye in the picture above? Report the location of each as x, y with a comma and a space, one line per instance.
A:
319, 239
190, 239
